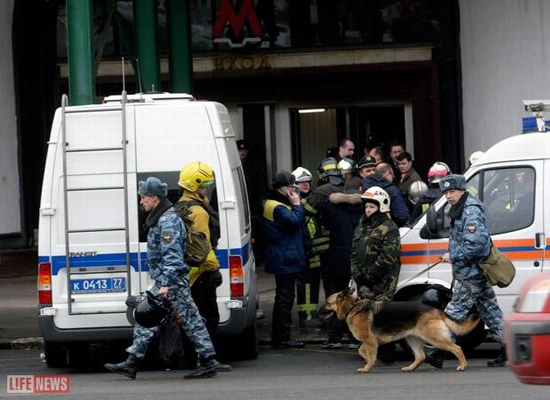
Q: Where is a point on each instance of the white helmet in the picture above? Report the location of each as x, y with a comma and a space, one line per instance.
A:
417, 190
346, 165
378, 196
437, 171
476, 155
302, 175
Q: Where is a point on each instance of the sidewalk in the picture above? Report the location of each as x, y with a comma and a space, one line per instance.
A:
19, 321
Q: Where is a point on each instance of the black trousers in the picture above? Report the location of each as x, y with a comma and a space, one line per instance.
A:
204, 296
282, 308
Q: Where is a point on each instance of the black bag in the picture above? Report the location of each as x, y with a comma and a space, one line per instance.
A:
170, 350
498, 269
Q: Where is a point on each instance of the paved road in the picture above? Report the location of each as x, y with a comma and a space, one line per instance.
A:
310, 373
19, 322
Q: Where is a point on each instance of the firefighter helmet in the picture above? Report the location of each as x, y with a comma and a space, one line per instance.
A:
417, 190
378, 196
302, 175
346, 165
437, 171
195, 175
328, 171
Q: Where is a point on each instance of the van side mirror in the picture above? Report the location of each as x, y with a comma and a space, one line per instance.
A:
434, 228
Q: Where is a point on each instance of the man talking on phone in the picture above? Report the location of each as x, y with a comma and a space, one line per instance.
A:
285, 254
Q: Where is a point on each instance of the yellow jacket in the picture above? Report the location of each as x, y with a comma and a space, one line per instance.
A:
200, 218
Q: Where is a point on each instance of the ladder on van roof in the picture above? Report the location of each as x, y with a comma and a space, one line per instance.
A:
81, 158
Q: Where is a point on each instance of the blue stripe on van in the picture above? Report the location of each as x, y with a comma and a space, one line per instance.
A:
116, 259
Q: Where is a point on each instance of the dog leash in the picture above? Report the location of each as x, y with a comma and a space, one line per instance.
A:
412, 277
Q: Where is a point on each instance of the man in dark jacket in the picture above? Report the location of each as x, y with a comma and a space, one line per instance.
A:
285, 254
340, 216
383, 178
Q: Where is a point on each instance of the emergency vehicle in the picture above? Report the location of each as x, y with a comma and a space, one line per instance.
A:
92, 247
512, 179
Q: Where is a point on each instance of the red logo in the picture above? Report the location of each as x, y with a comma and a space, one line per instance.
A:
246, 15
38, 384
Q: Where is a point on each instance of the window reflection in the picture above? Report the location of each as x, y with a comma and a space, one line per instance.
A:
219, 25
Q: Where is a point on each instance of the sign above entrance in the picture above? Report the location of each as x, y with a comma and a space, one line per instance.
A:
246, 17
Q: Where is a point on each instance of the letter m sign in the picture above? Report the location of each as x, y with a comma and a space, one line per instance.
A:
246, 15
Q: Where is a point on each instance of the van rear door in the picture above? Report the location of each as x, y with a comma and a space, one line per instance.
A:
94, 270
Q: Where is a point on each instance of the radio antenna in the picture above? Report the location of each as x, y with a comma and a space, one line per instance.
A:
139, 76
123, 76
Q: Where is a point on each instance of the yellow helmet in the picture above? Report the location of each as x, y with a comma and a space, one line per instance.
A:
195, 175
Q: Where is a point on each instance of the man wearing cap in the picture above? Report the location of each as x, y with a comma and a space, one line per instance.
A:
366, 166
469, 244
285, 253
166, 241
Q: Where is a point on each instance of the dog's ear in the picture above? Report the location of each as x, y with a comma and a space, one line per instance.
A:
348, 291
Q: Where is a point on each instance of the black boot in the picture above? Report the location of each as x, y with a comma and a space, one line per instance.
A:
127, 368
500, 361
435, 357
206, 369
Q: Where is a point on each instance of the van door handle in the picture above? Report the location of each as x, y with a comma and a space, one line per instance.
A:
540, 240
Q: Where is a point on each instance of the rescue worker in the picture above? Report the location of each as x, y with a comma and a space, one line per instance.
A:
469, 244
383, 177
376, 247
437, 171
315, 203
375, 262
341, 216
285, 254
195, 179
308, 283
347, 168
166, 241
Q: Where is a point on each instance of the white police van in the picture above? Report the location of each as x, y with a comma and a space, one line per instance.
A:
512, 179
92, 248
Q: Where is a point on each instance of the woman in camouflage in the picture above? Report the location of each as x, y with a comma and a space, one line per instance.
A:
376, 246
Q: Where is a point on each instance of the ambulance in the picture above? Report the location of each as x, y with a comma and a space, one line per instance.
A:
512, 179
92, 247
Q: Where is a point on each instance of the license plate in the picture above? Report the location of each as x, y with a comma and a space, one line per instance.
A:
98, 285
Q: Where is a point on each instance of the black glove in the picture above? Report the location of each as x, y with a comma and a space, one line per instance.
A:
362, 280
215, 278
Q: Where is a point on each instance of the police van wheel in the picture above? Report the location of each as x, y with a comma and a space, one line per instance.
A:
248, 347
239, 347
473, 339
56, 355
79, 354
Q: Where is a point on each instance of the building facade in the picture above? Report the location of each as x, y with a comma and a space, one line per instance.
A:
444, 77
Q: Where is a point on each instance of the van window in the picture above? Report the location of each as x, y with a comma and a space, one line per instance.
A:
508, 195
239, 172
509, 198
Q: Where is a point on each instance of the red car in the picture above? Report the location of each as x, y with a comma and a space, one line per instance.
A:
527, 332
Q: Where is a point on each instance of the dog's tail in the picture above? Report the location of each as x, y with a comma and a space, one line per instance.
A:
462, 327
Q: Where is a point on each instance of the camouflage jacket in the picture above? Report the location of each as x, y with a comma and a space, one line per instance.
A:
166, 241
469, 239
375, 262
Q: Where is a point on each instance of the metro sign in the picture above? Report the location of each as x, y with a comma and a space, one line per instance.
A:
237, 20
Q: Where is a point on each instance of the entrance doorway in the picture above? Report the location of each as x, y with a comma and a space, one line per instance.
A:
315, 131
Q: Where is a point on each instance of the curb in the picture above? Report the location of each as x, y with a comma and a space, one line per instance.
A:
22, 343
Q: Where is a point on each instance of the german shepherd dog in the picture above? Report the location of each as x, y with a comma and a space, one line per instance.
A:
376, 322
